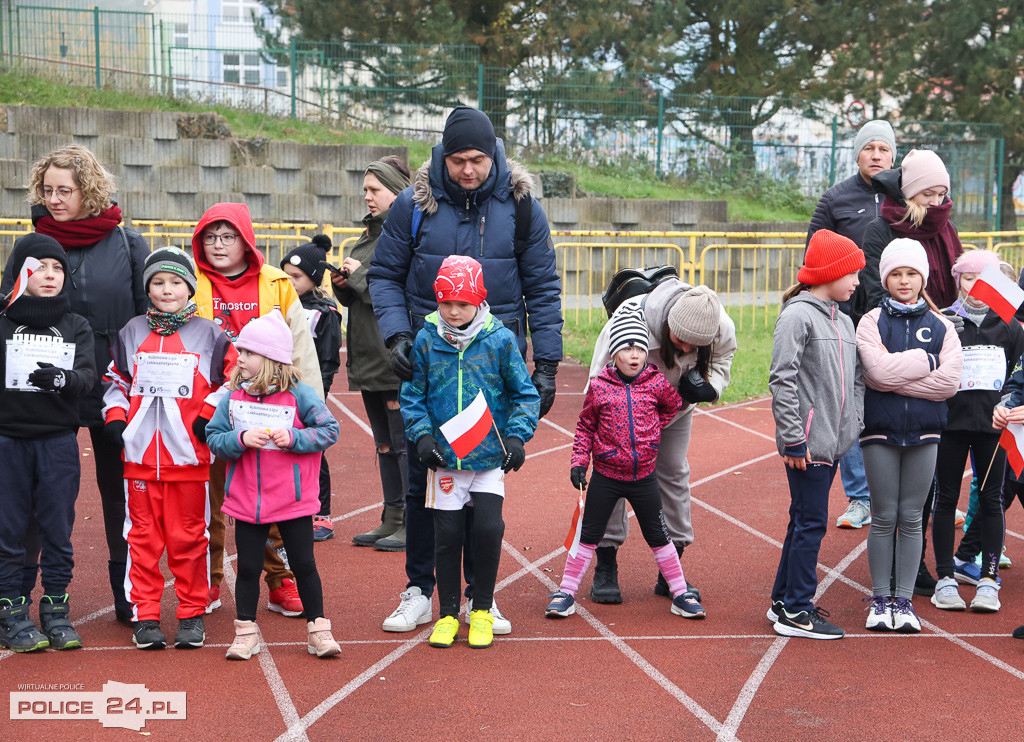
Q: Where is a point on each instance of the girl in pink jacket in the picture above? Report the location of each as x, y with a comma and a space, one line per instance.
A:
626, 407
912, 360
273, 430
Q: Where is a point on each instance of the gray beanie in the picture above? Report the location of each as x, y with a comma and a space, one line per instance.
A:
628, 328
172, 260
695, 317
877, 130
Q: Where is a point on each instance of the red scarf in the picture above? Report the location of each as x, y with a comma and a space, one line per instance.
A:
940, 240
79, 232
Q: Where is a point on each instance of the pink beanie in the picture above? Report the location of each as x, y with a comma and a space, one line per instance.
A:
268, 336
922, 169
973, 261
903, 252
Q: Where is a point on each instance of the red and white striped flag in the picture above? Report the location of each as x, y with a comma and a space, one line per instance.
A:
1001, 294
30, 266
1012, 440
572, 541
467, 430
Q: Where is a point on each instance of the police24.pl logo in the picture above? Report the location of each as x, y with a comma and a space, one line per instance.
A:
118, 705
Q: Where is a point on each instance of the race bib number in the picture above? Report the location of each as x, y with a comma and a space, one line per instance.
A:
984, 368
26, 352
164, 375
269, 417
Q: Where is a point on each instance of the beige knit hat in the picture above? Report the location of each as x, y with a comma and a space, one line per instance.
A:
695, 317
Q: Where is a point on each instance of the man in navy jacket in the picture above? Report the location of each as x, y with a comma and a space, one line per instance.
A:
463, 201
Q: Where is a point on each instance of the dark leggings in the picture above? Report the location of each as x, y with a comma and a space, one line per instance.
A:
250, 540
970, 544
952, 458
644, 497
449, 534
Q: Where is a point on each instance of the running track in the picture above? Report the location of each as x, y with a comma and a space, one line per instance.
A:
631, 671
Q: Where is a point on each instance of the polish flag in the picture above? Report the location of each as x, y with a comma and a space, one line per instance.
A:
1012, 440
467, 430
1001, 294
30, 266
572, 541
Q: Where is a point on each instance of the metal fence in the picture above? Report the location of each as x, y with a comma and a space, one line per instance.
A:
595, 116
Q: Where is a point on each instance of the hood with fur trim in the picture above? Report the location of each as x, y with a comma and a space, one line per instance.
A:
428, 182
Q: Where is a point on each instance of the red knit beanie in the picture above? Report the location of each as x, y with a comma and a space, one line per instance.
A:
461, 278
829, 257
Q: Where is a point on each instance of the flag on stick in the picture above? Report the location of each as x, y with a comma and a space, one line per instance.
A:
467, 430
30, 266
1001, 294
1012, 440
572, 541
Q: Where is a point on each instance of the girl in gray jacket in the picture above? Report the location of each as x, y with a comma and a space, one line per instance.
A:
817, 402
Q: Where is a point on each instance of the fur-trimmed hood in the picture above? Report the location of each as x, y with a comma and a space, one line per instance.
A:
507, 177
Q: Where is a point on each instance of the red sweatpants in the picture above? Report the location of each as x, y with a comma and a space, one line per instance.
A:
175, 516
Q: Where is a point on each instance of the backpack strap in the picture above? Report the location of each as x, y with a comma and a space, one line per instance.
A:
127, 248
417, 218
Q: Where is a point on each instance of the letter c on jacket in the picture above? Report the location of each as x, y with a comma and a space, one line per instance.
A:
924, 334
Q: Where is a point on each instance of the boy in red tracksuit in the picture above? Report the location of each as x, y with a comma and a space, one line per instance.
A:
168, 373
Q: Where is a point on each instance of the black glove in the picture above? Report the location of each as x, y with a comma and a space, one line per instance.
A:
515, 455
401, 349
694, 389
429, 453
578, 475
956, 319
544, 379
48, 377
114, 430
199, 428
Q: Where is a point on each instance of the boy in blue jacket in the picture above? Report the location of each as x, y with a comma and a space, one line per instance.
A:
462, 352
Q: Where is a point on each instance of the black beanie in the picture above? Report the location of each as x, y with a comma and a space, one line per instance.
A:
468, 128
38, 246
307, 258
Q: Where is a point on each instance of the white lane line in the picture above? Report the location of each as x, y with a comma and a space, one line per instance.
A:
759, 434
619, 643
350, 415
548, 450
558, 427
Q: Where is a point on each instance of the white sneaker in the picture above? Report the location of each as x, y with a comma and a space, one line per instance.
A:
987, 597
904, 619
414, 610
501, 626
879, 613
856, 515
947, 596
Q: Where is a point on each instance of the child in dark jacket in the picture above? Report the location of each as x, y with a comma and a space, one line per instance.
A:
272, 429
912, 361
48, 363
167, 376
626, 407
304, 266
817, 402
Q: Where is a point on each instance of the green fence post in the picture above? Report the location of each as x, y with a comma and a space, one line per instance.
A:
997, 222
661, 124
96, 30
832, 158
480, 86
291, 65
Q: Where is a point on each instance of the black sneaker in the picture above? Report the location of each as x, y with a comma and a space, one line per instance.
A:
147, 635
1018, 633
191, 633
775, 611
808, 624
925, 583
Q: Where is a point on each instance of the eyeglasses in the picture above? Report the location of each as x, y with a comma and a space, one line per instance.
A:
63, 193
225, 239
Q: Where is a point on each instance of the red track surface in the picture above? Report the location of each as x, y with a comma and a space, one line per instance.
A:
631, 671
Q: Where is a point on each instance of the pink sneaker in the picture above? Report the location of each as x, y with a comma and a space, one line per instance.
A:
285, 599
323, 528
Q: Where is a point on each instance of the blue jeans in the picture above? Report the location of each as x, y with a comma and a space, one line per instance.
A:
851, 471
797, 579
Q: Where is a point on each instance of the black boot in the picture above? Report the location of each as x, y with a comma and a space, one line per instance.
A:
55, 621
17, 632
605, 588
661, 586
391, 519
925, 584
122, 607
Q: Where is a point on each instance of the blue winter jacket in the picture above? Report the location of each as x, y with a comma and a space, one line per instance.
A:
480, 224
445, 382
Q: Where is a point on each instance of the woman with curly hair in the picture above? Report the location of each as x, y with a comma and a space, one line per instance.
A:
71, 197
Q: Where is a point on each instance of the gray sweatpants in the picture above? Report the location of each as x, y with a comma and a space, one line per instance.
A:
899, 479
673, 474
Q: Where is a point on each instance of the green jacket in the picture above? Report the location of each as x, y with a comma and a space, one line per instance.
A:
368, 361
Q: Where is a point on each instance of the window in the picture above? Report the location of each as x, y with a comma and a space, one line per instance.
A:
181, 35
282, 77
242, 68
238, 11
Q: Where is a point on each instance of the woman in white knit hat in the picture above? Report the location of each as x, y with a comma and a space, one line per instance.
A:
692, 341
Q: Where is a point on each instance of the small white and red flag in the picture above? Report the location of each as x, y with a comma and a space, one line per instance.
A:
572, 540
467, 430
1012, 440
30, 266
1001, 294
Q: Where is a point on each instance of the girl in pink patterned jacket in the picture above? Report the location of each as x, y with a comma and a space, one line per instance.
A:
626, 407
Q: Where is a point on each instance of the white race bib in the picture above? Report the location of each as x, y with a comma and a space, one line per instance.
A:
26, 352
984, 368
270, 417
164, 375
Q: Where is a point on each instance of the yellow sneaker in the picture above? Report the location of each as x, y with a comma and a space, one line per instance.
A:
481, 629
444, 632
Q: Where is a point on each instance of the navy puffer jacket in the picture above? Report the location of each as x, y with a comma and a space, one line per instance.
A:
480, 224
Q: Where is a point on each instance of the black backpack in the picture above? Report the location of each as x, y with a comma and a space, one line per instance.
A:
630, 282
